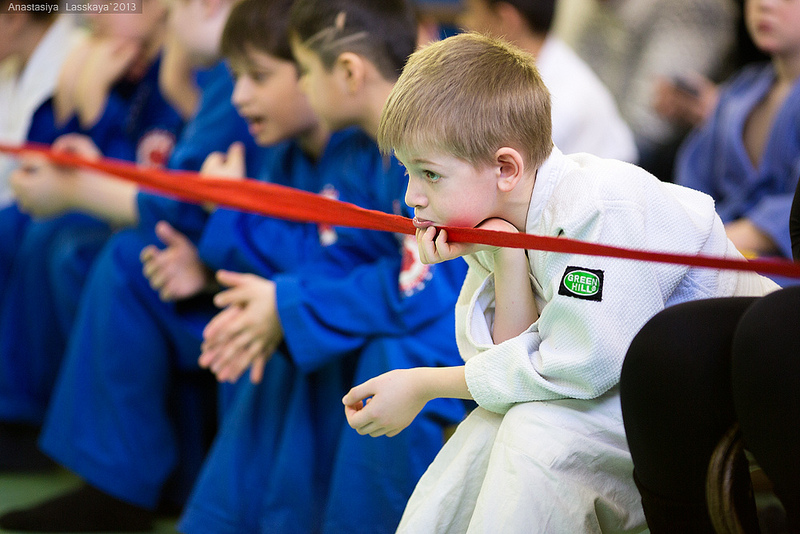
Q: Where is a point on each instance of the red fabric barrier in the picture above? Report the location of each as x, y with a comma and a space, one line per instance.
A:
286, 203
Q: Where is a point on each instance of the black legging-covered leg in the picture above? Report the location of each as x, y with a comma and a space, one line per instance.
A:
676, 402
766, 392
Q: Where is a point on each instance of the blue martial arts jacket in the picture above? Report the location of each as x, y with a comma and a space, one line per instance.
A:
713, 159
215, 126
350, 302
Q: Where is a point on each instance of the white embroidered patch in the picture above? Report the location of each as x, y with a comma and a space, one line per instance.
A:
413, 273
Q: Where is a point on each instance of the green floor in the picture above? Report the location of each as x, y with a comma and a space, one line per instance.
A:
23, 490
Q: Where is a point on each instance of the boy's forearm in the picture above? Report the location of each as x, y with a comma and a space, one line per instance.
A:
443, 382
176, 79
515, 307
108, 198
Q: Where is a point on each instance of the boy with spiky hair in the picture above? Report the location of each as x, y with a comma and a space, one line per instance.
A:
542, 334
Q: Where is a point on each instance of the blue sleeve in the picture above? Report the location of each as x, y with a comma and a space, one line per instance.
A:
694, 162
189, 219
261, 245
325, 319
215, 126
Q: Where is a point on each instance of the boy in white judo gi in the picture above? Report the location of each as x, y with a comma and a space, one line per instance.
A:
543, 334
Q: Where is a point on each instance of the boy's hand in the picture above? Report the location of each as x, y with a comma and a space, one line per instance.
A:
41, 188
176, 271
224, 165
246, 332
750, 240
78, 144
46, 190
392, 402
435, 248
176, 77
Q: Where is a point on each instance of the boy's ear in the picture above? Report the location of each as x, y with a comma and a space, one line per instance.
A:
352, 71
510, 168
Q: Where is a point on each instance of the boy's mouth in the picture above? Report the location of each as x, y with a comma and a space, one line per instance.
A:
422, 223
255, 124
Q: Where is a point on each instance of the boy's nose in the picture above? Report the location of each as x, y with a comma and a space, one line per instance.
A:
240, 91
414, 197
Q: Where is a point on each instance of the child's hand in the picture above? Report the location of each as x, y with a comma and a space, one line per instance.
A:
435, 248
176, 77
246, 332
176, 271
41, 188
392, 402
688, 101
224, 165
46, 190
78, 144
749, 239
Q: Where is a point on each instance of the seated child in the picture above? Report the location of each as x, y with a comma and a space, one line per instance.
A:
546, 450
631, 44
113, 100
214, 126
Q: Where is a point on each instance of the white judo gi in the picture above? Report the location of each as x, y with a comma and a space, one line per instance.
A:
545, 451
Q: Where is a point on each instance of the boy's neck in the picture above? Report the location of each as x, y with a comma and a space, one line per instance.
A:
518, 205
375, 95
314, 141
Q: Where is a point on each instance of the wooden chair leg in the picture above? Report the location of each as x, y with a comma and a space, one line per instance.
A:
729, 492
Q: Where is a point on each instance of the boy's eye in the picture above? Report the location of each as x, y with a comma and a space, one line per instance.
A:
431, 176
259, 77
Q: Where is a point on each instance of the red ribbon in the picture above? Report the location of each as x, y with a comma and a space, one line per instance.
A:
283, 202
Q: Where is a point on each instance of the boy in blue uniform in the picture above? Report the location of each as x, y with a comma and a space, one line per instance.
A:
124, 115
215, 125
304, 472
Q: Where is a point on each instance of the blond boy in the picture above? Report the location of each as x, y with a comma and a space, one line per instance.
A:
546, 450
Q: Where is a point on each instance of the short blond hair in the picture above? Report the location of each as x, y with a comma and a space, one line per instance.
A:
469, 95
